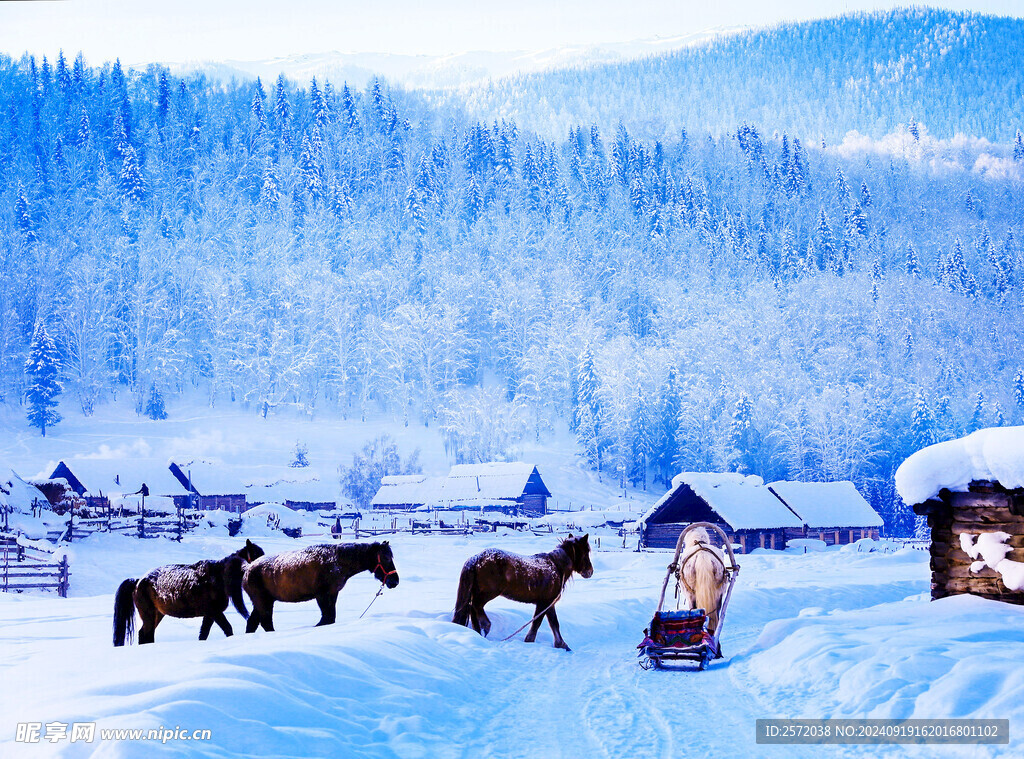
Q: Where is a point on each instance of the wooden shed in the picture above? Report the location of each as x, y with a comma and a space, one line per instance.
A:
986, 507
514, 486
99, 480
972, 492
211, 485
748, 512
833, 512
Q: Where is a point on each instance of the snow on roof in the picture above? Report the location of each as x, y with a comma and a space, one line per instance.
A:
111, 476
17, 493
996, 453
212, 477
827, 504
741, 500
404, 490
484, 484
294, 484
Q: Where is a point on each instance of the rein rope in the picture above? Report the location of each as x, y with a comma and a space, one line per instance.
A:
549, 607
380, 590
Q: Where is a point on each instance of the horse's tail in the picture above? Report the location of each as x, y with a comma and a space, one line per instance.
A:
124, 612
464, 598
233, 571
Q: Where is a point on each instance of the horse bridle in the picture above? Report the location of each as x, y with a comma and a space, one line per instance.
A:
701, 546
381, 567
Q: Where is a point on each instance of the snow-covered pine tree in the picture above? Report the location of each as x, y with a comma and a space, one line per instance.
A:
154, 407
922, 423
741, 434
44, 384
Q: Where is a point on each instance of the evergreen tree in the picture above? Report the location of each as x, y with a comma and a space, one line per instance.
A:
154, 407
1018, 391
742, 436
922, 424
44, 384
913, 264
978, 415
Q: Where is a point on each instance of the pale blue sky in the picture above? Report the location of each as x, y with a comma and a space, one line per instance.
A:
143, 30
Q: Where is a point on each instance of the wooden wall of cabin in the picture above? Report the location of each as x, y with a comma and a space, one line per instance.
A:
983, 509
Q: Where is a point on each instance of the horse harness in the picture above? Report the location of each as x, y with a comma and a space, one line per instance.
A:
678, 568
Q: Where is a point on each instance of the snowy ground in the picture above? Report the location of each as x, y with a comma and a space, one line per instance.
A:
831, 634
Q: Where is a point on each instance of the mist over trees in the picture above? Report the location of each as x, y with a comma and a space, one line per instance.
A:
960, 72
752, 302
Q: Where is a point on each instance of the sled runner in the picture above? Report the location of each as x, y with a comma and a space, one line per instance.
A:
684, 635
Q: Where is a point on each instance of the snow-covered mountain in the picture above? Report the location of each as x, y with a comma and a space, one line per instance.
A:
441, 71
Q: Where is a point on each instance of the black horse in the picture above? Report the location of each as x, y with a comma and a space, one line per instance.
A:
183, 590
319, 572
537, 579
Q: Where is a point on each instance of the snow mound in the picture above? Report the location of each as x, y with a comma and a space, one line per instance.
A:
957, 657
996, 453
273, 516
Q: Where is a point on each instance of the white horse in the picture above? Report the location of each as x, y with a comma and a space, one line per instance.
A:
701, 575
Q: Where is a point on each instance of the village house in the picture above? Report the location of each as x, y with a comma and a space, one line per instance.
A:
748, 512
833, 512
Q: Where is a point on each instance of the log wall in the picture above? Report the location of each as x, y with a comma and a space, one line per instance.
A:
986, 507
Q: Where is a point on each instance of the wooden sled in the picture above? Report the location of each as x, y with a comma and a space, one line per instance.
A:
682, 636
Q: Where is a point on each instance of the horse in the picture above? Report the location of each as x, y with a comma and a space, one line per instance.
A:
538, 579
319, 572
183, 590
701, 575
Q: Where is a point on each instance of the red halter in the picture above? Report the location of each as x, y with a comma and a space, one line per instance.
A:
381, 567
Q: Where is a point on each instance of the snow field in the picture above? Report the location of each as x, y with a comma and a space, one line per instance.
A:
822, 634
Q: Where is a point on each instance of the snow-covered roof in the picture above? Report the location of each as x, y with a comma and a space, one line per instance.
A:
294, 484
406, 489
996, 453
742, 501
827, 504
112, 476
211, 477
484, 484
17, 493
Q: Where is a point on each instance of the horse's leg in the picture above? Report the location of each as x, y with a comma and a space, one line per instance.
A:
254, 620
535, 625
553, 621
328, 613
204, 628
481, 622
147, 613
223, 624
267, 617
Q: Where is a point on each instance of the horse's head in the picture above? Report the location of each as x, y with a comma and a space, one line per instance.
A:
579, 551
697, 535
250, 551
384, 570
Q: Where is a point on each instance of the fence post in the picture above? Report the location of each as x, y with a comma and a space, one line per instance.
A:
63, 580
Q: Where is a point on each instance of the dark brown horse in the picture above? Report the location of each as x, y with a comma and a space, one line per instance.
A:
537, 579
318, 572
183, 590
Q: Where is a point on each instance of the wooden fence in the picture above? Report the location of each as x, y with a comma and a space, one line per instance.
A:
26, 567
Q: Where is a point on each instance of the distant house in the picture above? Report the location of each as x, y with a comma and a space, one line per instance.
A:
748, 512
514, 487
405, 491
300, 489
100, 480
830, 511
211, 485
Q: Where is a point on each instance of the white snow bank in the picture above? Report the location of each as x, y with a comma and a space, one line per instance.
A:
958, 657
996, 453
273, 515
